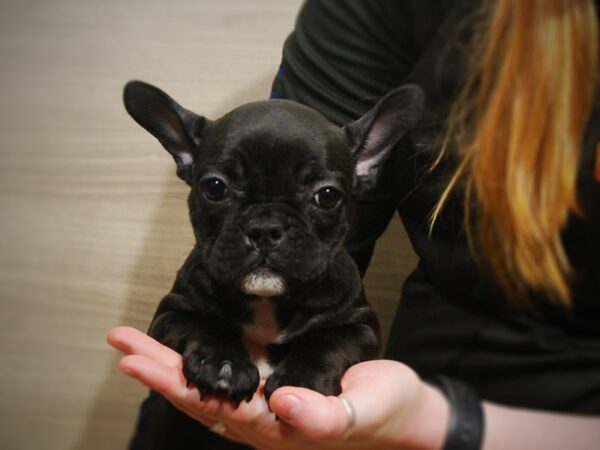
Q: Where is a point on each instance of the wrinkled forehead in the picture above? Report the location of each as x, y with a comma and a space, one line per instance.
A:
284, 143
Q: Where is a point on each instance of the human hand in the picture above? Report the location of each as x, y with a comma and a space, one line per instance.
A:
394, 409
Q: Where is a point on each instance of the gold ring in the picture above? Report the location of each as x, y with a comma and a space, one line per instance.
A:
219, 428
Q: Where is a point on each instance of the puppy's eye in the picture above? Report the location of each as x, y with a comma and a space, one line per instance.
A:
214, 189
328, 197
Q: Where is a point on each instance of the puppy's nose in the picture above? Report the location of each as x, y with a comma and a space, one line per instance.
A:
265, 233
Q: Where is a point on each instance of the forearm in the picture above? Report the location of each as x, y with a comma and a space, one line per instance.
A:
505, 427
515, 428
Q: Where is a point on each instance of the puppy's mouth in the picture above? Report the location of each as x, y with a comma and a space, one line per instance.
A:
263, 283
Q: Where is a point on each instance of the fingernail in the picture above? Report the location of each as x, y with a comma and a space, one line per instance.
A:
288, 407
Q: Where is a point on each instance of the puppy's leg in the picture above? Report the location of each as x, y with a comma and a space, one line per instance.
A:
214, 358
318, 359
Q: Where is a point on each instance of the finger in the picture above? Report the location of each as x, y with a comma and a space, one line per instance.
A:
171, 383
248, 419
157, 376
314, 415
132, 341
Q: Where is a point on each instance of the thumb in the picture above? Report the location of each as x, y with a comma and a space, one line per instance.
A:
311, 413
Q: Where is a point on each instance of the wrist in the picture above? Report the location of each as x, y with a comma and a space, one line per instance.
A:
427, 422
466, 421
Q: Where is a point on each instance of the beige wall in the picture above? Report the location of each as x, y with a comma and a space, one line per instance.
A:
93, 222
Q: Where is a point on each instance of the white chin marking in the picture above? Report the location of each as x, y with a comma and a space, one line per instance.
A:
263, 283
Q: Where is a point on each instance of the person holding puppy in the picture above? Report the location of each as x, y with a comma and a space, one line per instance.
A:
496, 342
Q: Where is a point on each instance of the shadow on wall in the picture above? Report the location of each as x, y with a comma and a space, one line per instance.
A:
111, 420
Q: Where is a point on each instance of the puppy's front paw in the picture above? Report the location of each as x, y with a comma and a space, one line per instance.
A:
326, 382
234, 377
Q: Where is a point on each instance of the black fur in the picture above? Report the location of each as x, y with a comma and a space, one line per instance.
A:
272, 187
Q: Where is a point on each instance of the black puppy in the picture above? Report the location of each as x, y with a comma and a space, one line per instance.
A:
268, 292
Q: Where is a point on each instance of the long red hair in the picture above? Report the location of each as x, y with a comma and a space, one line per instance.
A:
517, 126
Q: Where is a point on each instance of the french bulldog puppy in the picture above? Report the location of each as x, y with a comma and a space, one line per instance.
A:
268, 291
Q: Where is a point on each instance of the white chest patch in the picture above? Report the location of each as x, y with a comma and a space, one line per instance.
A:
258, 334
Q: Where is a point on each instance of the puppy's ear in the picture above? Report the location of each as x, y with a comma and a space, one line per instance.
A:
179, 131
375, 134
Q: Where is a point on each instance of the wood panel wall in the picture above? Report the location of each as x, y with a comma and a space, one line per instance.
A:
93, 221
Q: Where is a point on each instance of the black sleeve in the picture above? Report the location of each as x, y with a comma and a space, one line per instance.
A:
374, 210
340, 59
343, 56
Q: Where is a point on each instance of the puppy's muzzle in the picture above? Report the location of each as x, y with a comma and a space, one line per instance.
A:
265, 232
